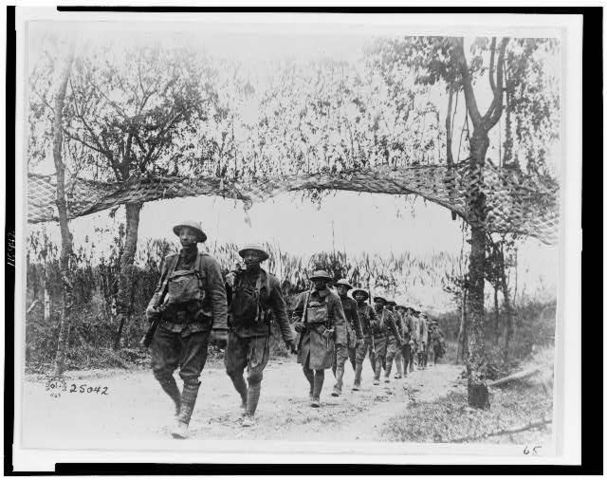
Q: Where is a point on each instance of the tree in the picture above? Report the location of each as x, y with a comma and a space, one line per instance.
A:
506, 66
130, 108
66, 236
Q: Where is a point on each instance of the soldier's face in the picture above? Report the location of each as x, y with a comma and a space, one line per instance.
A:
342, 290
187, 236
252, 258
379, 305
359, 297
319, 283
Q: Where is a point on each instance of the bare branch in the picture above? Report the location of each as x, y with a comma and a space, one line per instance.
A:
495, 110
84, 142
492, 66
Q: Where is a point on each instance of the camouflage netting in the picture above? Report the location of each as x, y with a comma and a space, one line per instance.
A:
515, 203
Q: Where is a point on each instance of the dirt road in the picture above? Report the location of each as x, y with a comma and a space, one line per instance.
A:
133, 406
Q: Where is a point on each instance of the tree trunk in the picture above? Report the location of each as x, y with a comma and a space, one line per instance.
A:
478, 394
127, 277
509, 315
461, 335
496, 311
449, 141
47, 303
66, 237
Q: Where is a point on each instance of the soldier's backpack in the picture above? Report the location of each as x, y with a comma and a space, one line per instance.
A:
186, 285
246, 302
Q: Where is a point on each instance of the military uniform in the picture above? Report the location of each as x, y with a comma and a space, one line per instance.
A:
437, 343
353, 338
406, 348
366, 315
249, 342
422, 354
182, 336
320, 319
393, 354
414, 321
383, 330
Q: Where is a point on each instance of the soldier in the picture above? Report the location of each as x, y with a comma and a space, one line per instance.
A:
366, 315
383, 330
414, 322
253, 294
393, 354
320, 321
437, 341
422, 354
189, 301
405, 332
353, 336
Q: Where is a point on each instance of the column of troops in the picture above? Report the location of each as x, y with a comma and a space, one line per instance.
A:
194, 299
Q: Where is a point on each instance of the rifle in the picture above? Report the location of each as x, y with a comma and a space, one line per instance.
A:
146, 340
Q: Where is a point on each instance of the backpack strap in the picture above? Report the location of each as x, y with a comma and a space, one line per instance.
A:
305, 308
258, 287
197, 269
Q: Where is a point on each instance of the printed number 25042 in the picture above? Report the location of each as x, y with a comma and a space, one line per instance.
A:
84, 388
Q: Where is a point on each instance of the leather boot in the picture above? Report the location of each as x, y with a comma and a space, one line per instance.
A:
319, 378
399, 367
339, 376
310, 377
358, 371
169, 385
252, 401
376, 371
188, 400
241, 387
388, 369
253, 398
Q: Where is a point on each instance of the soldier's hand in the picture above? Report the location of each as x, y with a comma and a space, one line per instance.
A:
299, 327
230, 278
359, 342
152, 313
328, 333
291, 346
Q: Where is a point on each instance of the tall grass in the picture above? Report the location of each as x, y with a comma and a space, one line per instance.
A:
94, 324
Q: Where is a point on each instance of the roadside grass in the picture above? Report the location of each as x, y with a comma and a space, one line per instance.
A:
449, 418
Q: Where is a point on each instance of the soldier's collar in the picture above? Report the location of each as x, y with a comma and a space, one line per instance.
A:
188, 253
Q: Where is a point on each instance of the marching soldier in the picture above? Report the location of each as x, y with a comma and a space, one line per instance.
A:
383, 330
414, 321
254, 293
437, 341
394, 354
366, 315
189, 302
405, 332
320, 322
422, 354
353, 336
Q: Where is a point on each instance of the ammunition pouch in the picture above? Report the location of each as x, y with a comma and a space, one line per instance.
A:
185, 313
